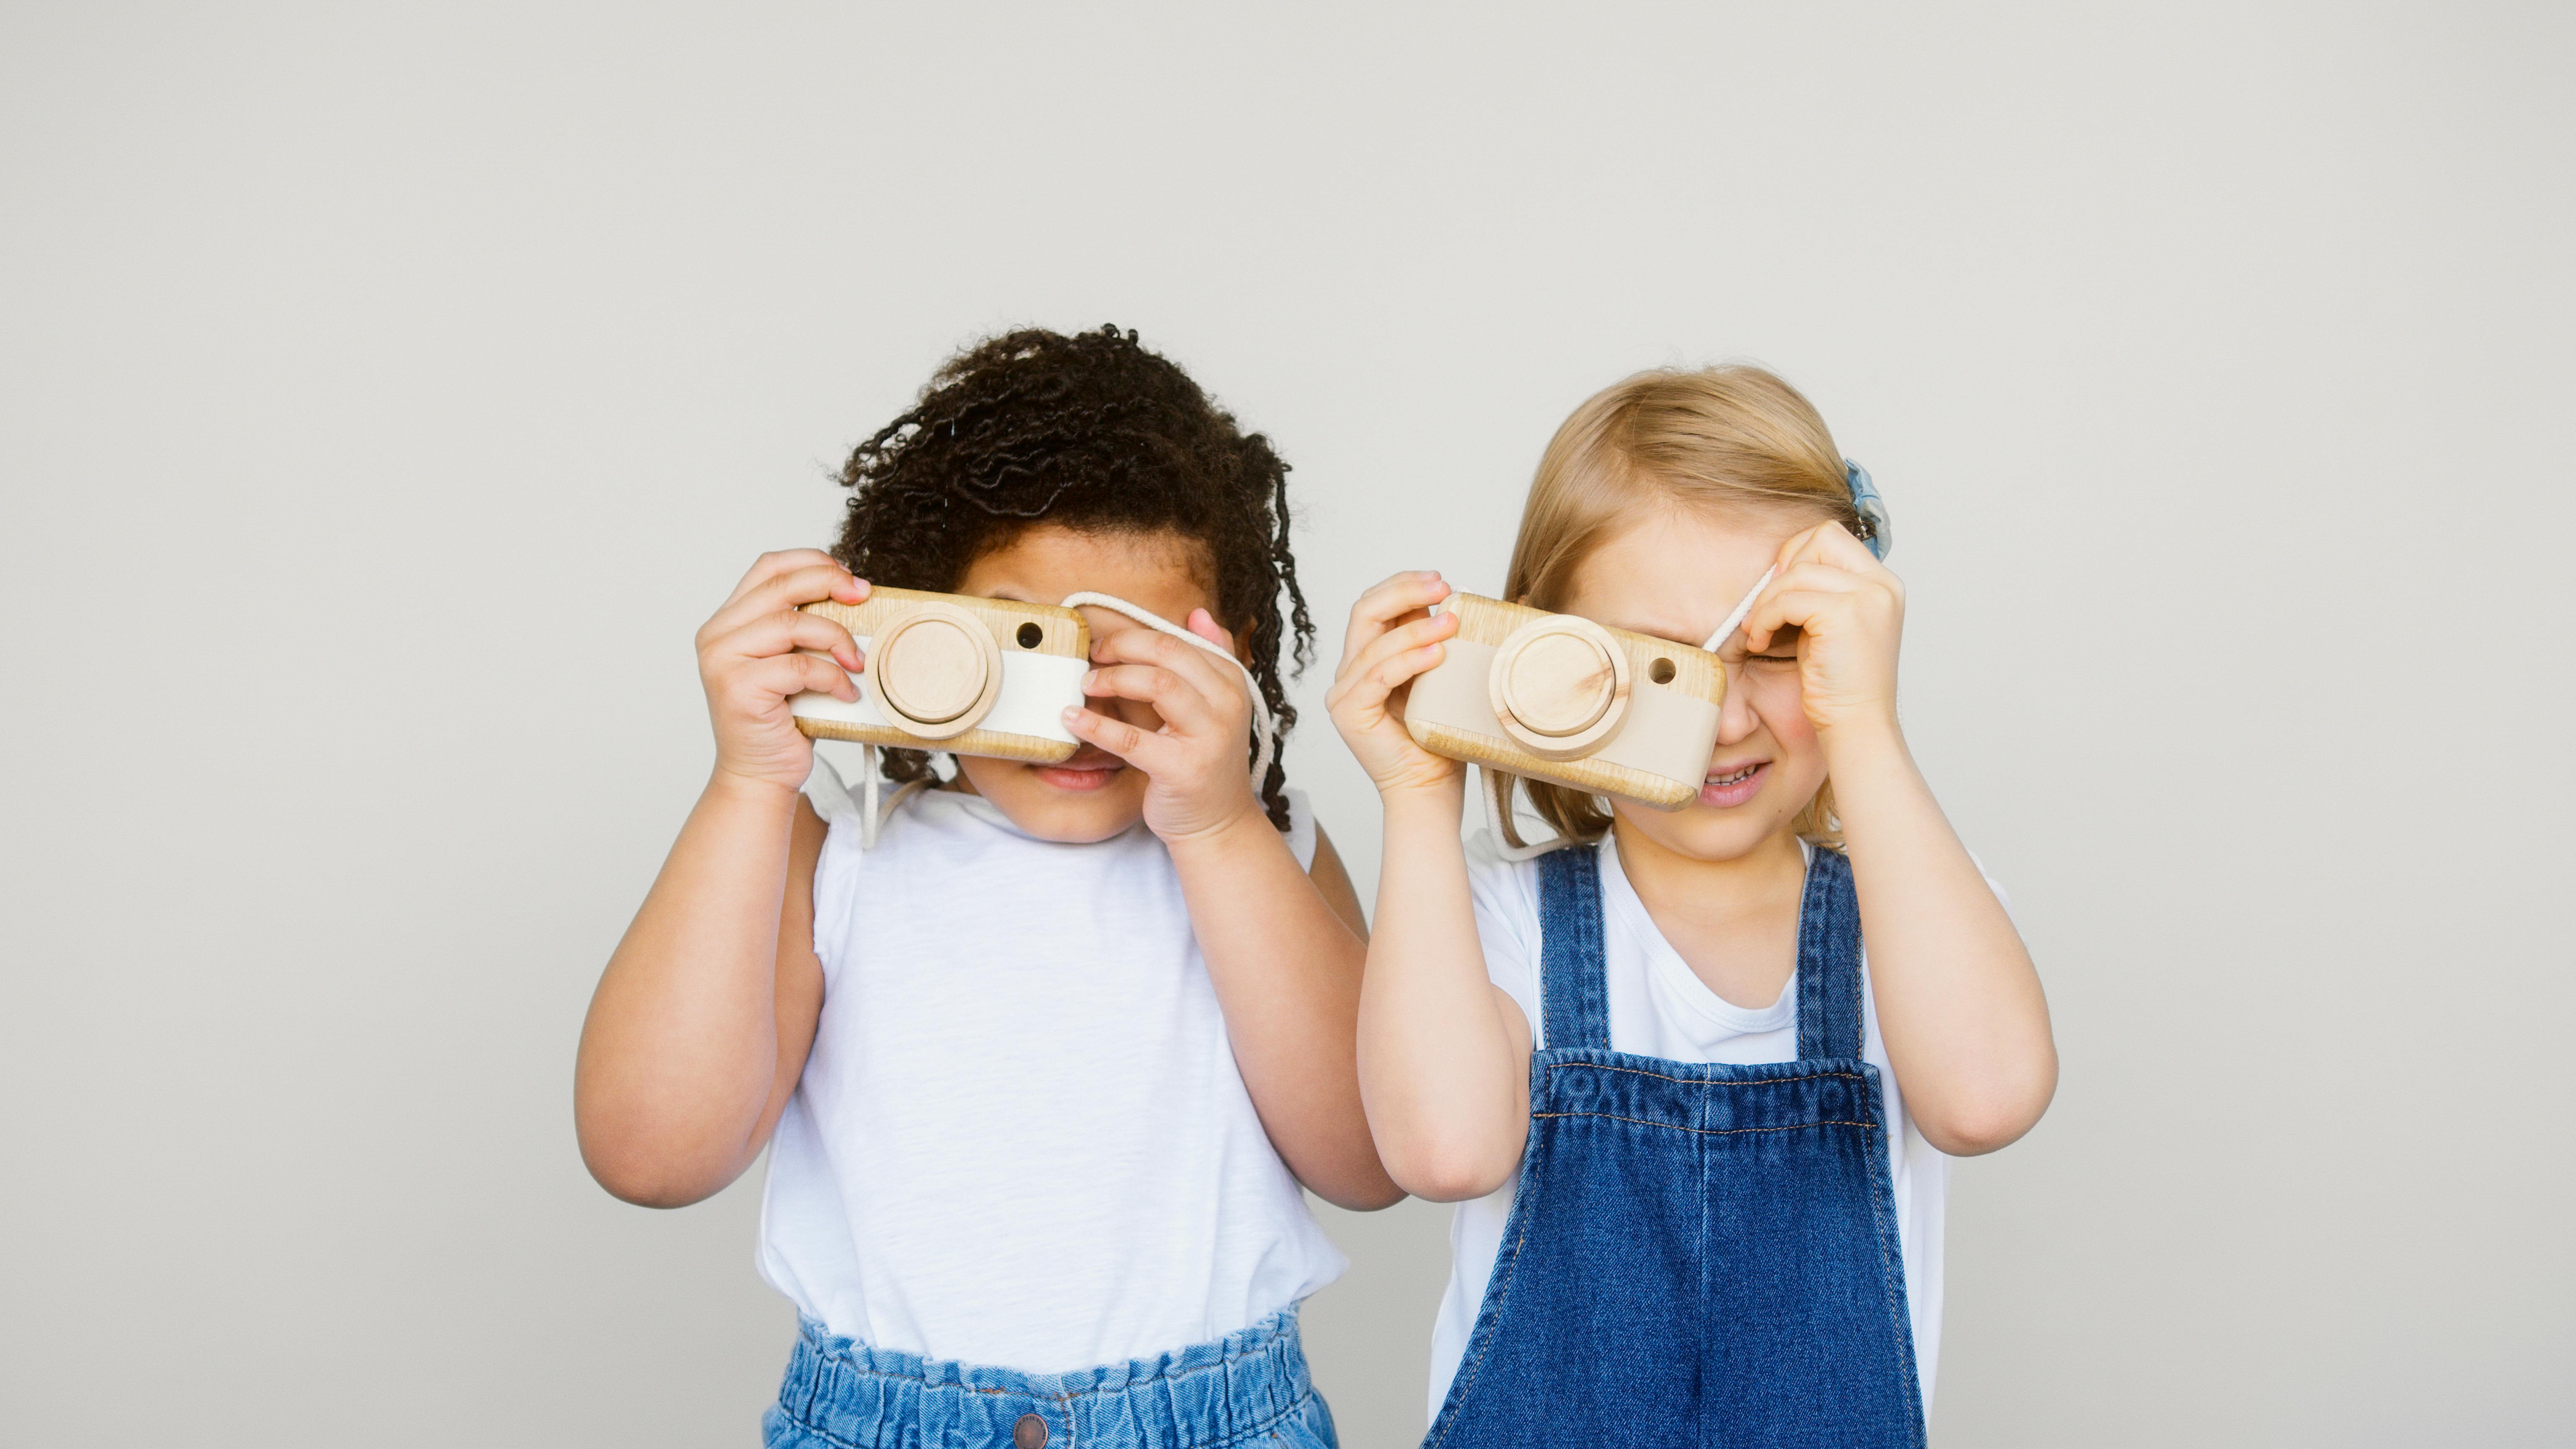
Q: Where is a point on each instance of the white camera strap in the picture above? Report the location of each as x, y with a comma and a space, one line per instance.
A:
1736, 617
1265, 734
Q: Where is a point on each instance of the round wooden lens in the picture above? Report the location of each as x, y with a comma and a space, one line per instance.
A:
1559, 684
932, 671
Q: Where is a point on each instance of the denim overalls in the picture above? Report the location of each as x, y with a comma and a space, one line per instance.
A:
1697, 1254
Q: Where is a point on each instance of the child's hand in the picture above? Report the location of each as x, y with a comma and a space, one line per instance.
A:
1848, 611
748, 661
1198, 762
1393, 637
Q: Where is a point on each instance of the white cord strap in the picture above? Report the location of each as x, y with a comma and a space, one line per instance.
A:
832, 800
1264, 734
1736, 618
872, 817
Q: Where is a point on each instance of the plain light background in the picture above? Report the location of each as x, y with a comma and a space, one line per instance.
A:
389, 391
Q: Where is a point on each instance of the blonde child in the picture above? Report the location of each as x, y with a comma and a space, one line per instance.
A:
1699, 1141
1042, 1067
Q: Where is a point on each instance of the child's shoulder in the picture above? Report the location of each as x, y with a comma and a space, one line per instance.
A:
1504, 883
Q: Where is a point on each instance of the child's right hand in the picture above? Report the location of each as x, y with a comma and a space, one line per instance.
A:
748, 661
1393, 637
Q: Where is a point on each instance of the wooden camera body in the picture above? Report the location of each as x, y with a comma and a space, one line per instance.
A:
950, 672
1559, 698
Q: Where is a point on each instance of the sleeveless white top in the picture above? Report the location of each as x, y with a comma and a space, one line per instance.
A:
1020, 1139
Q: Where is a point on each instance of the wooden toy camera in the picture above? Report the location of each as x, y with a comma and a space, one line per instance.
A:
1559, 698
948, 672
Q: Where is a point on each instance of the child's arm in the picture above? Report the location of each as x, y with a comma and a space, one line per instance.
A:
701, 1023
1959, 1003
1443, 1052
1283, 947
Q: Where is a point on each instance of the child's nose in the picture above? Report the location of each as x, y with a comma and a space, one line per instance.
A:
1736, 717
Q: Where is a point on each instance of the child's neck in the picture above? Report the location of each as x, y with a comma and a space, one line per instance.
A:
1733, 922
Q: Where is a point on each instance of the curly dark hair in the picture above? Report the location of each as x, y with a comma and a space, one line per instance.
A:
1094, 432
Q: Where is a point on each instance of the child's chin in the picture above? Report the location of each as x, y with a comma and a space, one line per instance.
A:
1702, 832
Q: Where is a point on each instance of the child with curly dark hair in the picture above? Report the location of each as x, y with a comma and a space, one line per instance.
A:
1041, 1070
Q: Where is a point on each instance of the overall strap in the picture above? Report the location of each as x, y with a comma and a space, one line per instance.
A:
1829, 1003
1574, 991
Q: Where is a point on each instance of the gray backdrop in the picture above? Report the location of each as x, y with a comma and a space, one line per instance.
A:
390, 391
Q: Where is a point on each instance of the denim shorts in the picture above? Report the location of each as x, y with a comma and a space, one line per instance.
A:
1247, 1389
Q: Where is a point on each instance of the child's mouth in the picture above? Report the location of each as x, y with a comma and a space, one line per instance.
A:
1733, 786
1090, 769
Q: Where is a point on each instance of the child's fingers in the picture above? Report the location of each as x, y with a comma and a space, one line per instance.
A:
1389, 662
1386, 603
1363, 690
1150, 752
1398, 592
781, 630
1208, 673
770, 565
765, 681
1204, 624
1802, 608
1816, 577
1397, 670
814, 582
1401, 639
1829, 543
1181, 702
1812, 583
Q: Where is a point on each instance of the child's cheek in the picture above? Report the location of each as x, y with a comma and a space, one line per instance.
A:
1781, 705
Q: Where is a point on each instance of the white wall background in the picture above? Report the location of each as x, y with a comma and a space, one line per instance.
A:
389, 390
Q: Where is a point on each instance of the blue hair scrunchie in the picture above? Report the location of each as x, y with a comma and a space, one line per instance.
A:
1876, 530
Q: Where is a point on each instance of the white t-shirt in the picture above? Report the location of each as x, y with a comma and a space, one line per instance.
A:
1020, 1139
1659, 1008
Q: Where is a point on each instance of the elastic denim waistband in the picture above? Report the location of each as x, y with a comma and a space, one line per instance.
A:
1201, 1397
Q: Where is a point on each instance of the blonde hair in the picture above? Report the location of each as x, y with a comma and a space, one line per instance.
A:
1731, 440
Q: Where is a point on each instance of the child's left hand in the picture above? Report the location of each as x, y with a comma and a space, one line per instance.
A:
1198, 763
1849, 611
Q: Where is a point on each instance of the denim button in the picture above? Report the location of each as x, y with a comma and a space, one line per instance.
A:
1029, 1433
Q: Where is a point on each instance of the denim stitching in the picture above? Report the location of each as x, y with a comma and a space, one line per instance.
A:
1228, 1362
1710, 1131
1064, 1402
1695, 1082
1887, 1277
1881, 1208
1489, 1340
1525, 1211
